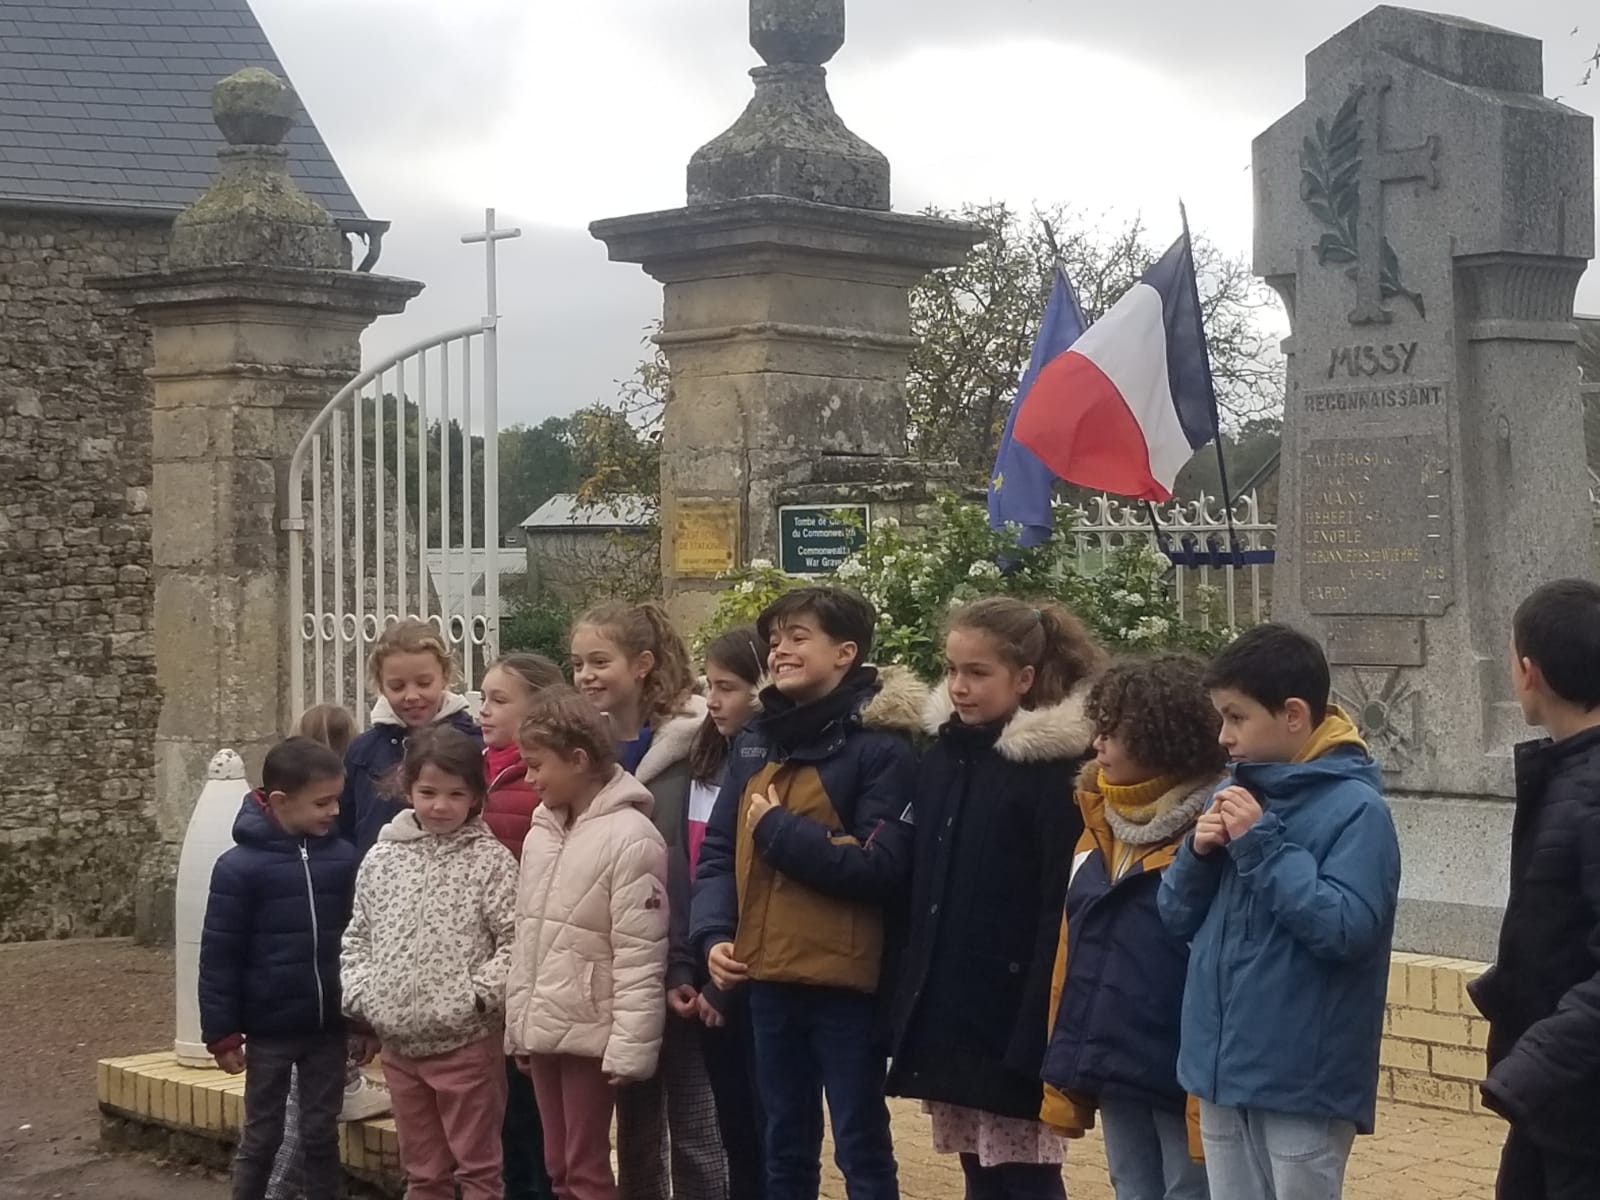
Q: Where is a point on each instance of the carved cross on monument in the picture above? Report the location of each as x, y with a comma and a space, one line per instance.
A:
1380, 166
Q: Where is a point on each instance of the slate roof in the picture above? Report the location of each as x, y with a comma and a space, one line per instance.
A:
108, 103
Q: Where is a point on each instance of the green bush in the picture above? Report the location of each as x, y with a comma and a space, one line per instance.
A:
915, 577
539, 626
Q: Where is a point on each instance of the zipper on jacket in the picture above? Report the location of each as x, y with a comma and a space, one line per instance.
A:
316, 949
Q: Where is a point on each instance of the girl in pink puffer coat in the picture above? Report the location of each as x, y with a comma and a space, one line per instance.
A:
586, 995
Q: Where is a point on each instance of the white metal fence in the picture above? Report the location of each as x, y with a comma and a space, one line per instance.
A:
1211, 586
384, 490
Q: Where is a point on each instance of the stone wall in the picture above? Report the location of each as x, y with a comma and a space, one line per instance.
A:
79, 706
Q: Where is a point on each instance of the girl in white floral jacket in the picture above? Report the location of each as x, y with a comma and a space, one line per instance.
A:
424, 966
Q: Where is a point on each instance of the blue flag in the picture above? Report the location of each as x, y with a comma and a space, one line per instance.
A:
1021, 487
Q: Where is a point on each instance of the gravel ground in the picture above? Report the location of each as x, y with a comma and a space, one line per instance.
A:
63, 1007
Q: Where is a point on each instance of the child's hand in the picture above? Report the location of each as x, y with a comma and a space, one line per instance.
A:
759, 807
1238, 809
524, 1063
709, 1014
683, 1000
727, 972
617, 1081
231, 1061
1209, 833
364, 1048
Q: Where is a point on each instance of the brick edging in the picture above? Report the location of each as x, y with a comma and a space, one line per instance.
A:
1433, 1036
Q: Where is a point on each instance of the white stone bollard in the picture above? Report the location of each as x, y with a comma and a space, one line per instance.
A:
210, 832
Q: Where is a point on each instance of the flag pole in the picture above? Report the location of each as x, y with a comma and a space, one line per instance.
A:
1216, 421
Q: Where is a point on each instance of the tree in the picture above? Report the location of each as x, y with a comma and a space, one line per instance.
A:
975, 325
536, 462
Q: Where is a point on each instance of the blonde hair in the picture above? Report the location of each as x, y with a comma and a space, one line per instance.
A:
330, 724
563, 721
411, 636
636, 628
1044, 636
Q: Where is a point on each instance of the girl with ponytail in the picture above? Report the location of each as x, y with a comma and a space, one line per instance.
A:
629, 661
995, 829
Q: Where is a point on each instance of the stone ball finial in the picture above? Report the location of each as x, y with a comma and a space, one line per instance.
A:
253, 107
809, 32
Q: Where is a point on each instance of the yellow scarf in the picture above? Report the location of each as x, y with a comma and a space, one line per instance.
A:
1137, 804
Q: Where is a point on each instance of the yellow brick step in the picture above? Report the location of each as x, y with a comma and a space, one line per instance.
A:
158, 1088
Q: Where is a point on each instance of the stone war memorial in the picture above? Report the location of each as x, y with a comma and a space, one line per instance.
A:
1425, 216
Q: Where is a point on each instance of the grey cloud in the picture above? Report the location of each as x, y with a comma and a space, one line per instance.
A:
571, 321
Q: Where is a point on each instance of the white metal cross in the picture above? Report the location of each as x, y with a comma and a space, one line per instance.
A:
489, 235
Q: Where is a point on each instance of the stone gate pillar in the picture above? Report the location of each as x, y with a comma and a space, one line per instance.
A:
256, 323
786, 319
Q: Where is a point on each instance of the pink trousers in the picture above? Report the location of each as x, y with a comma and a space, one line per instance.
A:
575, 1105
448, 1110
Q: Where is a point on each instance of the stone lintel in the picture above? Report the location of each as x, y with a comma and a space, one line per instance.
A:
761, 234
174, 296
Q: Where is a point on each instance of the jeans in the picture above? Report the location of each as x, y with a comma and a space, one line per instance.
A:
287, 1181
731, 1063
1147, 1152
448, 1109
1012, 1181
317, 1061
522, 1140
668, 1146
1254, 1155
811, 1040
1528, 1171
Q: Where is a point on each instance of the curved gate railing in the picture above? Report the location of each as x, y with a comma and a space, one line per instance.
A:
392, 514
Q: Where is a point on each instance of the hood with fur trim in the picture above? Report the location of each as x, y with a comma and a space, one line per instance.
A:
898, 704
1057, 731
671, 740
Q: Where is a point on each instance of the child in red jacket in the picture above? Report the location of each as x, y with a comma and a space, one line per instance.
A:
509, 689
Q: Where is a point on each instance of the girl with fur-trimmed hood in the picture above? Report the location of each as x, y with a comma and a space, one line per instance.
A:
1117, 987
630, 662
995, 827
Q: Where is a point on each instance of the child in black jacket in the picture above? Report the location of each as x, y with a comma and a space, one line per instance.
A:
1542, 996
269, 963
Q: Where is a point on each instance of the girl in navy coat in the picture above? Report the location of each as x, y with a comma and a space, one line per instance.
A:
995, 826
410, 668
1117, 991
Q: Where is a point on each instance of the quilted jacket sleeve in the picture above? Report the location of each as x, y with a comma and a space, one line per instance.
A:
498, 901
225, 952
1560, 1053
639, 939
714, 909
355, 951
871, 861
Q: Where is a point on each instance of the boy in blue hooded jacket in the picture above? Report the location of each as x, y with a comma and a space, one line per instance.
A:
1287, 888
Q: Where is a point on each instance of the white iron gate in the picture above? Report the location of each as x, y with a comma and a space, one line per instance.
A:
391, 514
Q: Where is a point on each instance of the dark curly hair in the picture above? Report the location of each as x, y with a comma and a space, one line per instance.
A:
1158, 708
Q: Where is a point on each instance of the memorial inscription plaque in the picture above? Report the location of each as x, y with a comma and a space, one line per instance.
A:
1375, 526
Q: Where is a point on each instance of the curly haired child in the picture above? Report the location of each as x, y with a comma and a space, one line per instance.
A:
1117, 992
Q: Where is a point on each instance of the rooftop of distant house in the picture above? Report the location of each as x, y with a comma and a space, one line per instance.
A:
564, 511
105, 105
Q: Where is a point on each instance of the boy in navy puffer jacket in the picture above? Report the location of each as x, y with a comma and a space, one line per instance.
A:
269, 963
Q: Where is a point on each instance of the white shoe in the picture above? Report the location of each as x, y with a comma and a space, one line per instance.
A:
363, 1099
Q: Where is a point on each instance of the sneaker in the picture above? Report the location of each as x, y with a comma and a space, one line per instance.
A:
363, 1099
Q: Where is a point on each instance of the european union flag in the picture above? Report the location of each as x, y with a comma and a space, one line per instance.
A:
1021, 487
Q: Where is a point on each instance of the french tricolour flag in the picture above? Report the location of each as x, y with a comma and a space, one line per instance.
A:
1130, 402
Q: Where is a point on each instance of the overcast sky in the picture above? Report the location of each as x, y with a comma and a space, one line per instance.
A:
558, 114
